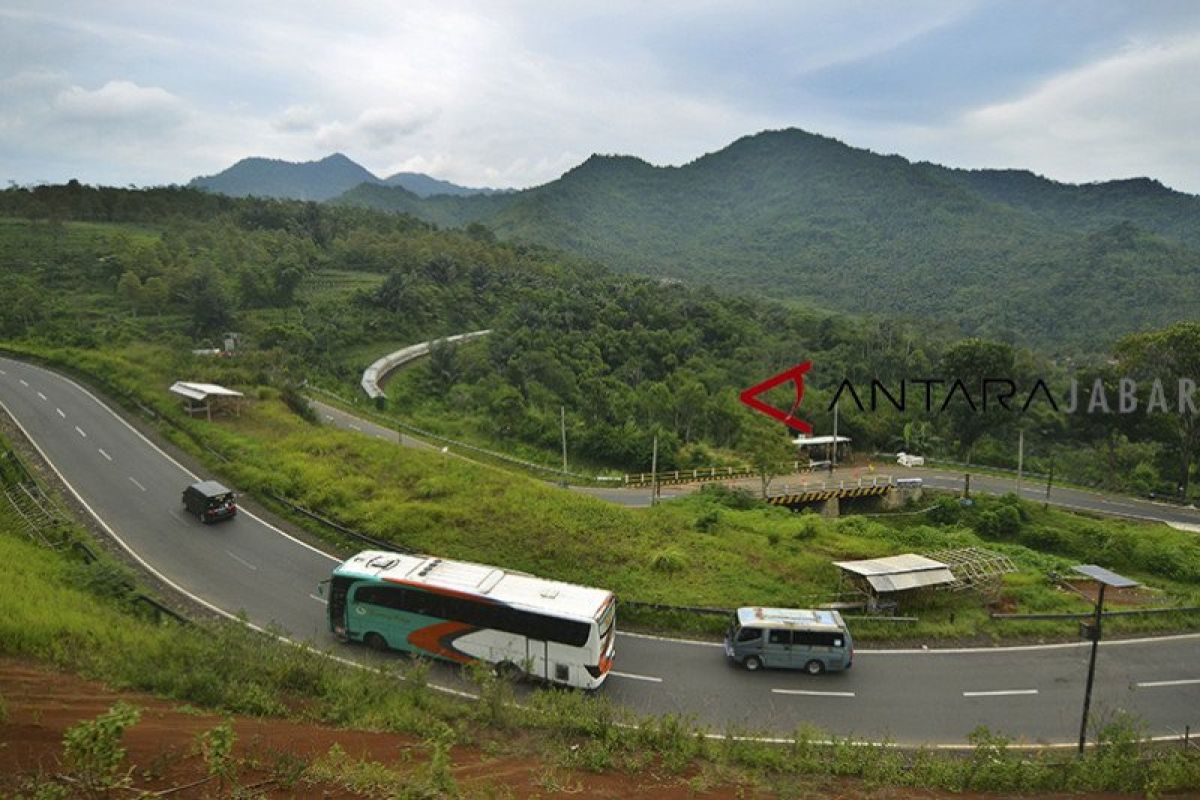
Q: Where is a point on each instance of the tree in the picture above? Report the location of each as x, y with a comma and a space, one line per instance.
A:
129, 288
1172, 356
768, 446
972, 361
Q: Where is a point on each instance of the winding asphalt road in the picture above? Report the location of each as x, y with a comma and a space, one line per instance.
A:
912, 697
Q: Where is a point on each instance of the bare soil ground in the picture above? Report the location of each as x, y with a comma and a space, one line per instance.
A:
40, 705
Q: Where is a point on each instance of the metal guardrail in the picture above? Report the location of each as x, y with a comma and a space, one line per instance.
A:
383, 544
1128, 612
390, 422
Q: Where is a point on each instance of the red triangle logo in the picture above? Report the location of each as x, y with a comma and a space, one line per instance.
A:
796, 374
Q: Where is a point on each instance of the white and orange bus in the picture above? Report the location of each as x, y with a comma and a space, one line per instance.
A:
459, 611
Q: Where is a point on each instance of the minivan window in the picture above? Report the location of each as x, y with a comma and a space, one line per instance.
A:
749, 634
780, 637
819, 639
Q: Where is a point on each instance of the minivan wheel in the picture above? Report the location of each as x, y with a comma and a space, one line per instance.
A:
375, 642
814, 667
752, 663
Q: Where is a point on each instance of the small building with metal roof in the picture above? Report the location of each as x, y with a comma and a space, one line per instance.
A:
198, 397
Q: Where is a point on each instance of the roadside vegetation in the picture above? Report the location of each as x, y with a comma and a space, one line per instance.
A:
716, 548
83, 627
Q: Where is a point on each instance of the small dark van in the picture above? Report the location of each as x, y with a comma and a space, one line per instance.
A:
209, 501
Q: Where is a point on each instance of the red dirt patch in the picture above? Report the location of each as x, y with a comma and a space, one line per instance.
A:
1133, 596
41, 705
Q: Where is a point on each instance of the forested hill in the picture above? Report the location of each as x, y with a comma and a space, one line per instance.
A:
317, 180
799, 216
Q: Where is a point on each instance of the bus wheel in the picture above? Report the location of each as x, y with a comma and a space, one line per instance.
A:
375, 642
814, 667
752, 663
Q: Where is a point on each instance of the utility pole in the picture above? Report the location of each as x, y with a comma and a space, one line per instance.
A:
833, 458
1049, 480
563, 423
654, 473
1020, 456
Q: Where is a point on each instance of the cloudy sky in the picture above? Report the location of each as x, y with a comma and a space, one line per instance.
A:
514, 94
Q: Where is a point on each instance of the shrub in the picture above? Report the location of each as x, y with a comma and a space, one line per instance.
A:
734, 497
93, 753
708, 521
668, 560
1002, 521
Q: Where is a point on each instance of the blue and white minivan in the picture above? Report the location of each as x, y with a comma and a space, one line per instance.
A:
789, 638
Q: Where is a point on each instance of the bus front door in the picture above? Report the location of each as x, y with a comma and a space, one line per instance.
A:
537, 658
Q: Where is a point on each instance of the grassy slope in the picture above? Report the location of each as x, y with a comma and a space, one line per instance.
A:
225, 667
761, 556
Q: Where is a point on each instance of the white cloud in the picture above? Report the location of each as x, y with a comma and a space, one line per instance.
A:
297, 119
118, 104
1135, 113
374, 129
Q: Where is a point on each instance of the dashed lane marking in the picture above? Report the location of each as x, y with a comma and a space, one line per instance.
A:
632, 676
1156, 684
241, 560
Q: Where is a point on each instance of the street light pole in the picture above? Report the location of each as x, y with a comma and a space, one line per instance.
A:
1105, 578
1094, 635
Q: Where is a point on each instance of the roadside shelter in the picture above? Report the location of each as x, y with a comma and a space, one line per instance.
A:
199, 398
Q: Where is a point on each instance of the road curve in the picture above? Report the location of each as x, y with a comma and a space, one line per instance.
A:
911, 697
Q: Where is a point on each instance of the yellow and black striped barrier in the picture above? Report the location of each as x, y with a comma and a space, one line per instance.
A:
819, 495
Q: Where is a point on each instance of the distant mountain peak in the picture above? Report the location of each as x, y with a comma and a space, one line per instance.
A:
331, 176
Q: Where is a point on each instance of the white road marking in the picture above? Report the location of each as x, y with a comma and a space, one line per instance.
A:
106, 455
1152, 684
79, 430
2, 372
319, 599
190, 474
1001, 693
632, 676
41, 395
816, 694
23, 382
241, 560
354, 427
134, 481
328, 418
60, 413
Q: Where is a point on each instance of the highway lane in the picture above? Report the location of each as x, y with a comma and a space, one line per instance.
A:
911, 697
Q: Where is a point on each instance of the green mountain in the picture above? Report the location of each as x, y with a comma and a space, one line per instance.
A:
804, 217
317, 180
424, 186
1090, 207
268, 177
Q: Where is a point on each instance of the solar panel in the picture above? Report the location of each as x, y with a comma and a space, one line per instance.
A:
1107, 577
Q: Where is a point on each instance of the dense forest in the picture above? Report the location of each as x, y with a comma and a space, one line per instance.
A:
794, 216
317, 291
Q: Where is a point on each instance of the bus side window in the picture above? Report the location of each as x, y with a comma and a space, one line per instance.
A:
780, 637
